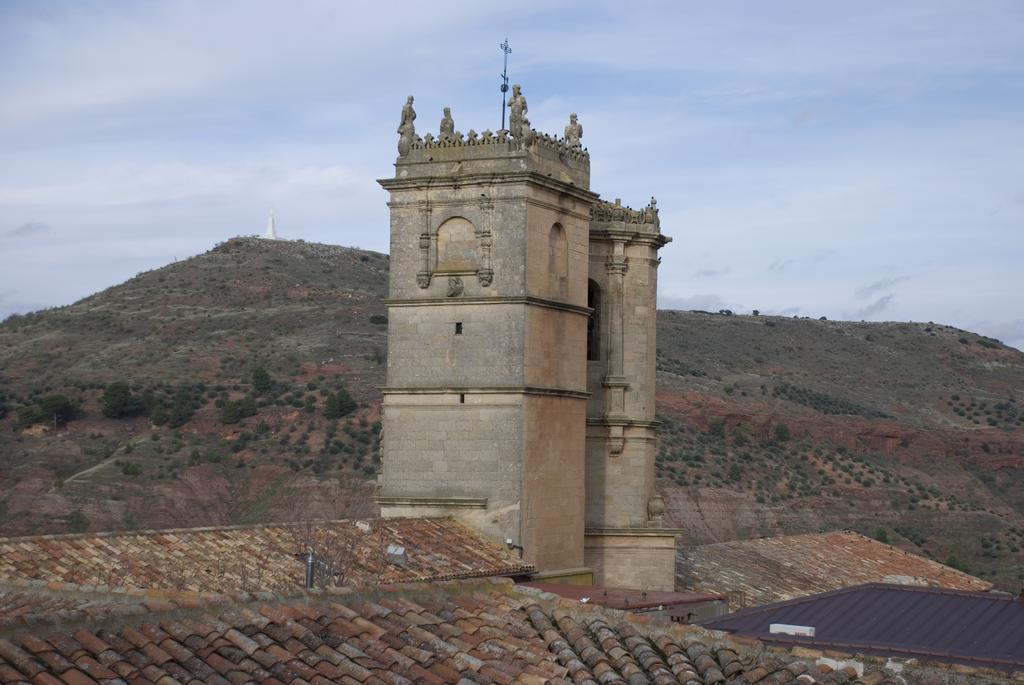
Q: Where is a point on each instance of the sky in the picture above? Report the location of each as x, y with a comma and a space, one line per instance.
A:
854, 160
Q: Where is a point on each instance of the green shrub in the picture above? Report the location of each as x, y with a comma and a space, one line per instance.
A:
339, 404
57, 409
183, 407
119, 402
953, 562
781, 432
262, 383
77, 522
234, 411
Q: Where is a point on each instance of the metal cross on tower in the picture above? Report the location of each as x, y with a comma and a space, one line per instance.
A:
504, 80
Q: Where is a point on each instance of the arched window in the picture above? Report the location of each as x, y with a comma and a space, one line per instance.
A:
558, 262
456, 246
594, 322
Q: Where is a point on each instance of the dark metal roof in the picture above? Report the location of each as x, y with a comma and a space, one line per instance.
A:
620, 598
953, 626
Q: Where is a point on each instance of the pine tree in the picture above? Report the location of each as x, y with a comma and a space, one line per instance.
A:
262, 383
118, 401
339, 404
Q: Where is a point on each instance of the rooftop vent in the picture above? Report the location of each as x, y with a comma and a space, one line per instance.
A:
787, 629
396, 555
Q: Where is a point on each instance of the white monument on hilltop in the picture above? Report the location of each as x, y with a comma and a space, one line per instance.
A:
271, 232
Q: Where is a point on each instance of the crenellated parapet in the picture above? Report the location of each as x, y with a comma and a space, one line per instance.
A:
618, 213
517, 147
488, 137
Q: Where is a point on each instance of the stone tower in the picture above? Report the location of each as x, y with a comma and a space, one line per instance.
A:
626, 542
520, 379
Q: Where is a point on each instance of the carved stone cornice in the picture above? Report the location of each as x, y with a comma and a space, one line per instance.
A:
444, 181
622, 421
506, 300
484, 389
446, 502
634, 532
655, 240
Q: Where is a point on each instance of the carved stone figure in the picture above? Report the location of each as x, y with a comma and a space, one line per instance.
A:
455, 286
406, 129
517, 120
573, 132
447, 125
652, 209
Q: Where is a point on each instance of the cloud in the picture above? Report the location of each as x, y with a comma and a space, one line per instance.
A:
866, 291
777, 139
875, 307
707, 302
779, 266
27, 229
711, 273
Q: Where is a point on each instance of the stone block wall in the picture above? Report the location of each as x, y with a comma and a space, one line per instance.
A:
632, 560
436, 447
426, 350
619, 486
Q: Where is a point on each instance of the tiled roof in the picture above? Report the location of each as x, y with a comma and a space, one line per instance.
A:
621, 598
462, 632
30, 602
974, 628
779, 568
259, 557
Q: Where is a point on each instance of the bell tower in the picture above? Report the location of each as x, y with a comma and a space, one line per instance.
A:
485, 402
521, 352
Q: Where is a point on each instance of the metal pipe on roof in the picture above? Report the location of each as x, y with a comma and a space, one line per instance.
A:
310, 570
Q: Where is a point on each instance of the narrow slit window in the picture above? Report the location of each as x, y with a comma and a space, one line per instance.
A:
462, 398
594, 322
458, 328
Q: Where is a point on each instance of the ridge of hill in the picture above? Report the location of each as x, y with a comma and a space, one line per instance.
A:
909, 432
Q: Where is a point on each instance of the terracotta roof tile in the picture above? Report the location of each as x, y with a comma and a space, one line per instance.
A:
779, 568
399, 637
252, 558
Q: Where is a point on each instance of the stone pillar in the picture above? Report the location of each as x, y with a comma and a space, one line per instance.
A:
423, 275
626, 542
615, 382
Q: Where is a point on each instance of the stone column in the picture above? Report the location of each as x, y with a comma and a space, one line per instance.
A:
615, 382
423, 275
485, 274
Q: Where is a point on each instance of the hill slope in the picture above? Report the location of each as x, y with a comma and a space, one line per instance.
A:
189, 336
911, 432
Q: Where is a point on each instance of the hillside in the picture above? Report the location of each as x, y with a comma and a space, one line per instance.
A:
189, 337
909, 432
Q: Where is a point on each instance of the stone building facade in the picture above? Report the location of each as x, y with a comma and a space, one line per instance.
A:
521, 350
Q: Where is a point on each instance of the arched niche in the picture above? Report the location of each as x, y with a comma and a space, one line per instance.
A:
558, 262
457, 246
